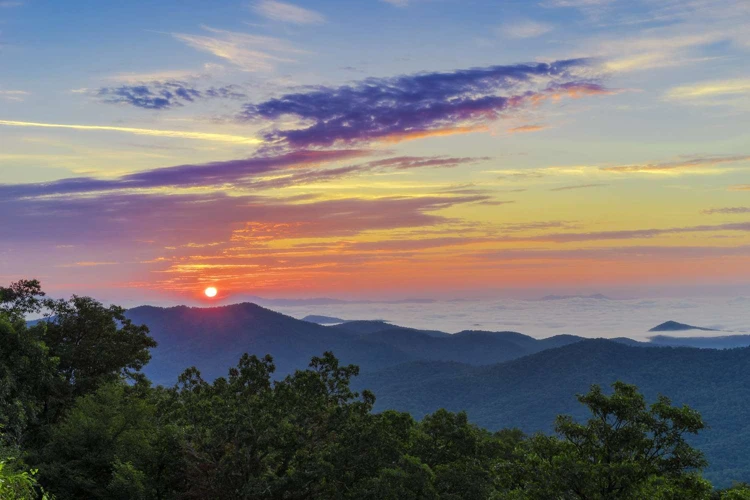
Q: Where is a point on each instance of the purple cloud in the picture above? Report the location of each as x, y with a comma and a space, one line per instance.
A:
174, 219
204, 175
164, 95
303, 167
418, 105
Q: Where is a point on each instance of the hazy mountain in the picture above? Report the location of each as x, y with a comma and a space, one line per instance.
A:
723, 342
322, 320
529, 392
673, 326
596, 296
367, 327
212, 339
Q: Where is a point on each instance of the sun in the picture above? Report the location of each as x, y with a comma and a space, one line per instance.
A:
211, 291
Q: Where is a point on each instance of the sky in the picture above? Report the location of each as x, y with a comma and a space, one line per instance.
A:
375, 149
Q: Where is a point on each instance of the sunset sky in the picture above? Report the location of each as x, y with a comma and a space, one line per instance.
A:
374, 148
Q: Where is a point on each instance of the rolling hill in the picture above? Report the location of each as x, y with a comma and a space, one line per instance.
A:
213, 339
529, 392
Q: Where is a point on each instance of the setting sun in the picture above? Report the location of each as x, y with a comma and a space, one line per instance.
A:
211, 291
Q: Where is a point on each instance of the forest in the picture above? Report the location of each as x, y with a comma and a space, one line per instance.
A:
79, 420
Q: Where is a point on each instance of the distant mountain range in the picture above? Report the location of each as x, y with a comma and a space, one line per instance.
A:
595, 296
322, 301
213, 339
527, 393
322, 320
501, 378
673, 326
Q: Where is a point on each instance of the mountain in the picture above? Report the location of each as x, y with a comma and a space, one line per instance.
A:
213, 339
596, 296
530, 391
673, 326
322, 320
367, 327
723, 342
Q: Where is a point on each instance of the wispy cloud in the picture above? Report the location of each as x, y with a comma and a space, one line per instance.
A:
740, 187
577, 186
13, 95
727, 211
288, 13
421, 105
397, 3
712, 92
682, 164
164, 94
177, 134
217, 174
524, 29
272, 172
174, 219
639, 233
247, 52
10, 4
526, 128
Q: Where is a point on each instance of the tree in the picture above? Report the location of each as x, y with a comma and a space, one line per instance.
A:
27, 374
626, 450
16, 481
21, 298
94, 343
111, 444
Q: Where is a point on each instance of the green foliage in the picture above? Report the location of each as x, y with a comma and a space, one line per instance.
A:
18, 483
94, 344
27, 373
626, 450
75, 407
21, 298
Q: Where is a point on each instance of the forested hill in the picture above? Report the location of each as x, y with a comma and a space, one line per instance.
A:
211, 338
529, 392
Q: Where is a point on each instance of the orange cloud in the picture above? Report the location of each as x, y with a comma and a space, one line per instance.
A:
691, 163
526, 128
439, 132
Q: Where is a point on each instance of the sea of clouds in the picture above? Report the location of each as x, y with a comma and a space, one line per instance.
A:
587, 317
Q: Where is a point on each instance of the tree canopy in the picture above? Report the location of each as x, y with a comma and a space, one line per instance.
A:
80, 421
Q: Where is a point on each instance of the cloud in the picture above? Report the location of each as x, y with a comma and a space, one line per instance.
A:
576, 3
421, 105
712, 93
685, 164
174, 219
159, 95
271, 172
578, 186
10, 4
524, 29
13, 95
740, 187
526, 128
409, 162
639, 233
672, 253
287, 13
727, 210
177, 134
247, 52
397, 3
217, 174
